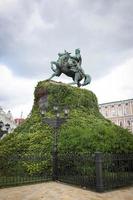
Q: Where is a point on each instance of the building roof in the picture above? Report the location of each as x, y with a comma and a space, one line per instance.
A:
114, 102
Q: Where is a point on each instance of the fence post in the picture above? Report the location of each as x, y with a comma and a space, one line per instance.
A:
99, 171
55, 167
55, 157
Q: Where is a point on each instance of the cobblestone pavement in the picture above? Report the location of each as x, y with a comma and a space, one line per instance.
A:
59, 191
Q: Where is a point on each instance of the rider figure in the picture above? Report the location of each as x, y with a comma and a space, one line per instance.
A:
78, 58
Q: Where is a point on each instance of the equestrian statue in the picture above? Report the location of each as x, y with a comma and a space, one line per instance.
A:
70, 66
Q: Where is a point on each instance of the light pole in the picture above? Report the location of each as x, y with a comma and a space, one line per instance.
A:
55, 123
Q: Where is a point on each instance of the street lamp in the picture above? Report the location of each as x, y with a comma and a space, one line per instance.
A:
56, 123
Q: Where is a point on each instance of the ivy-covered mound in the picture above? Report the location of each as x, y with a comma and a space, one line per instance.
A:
86, 130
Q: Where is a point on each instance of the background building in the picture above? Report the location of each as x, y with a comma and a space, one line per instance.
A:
19, 121
7, 118
119, 112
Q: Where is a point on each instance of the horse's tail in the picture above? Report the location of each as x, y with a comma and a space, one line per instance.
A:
87, 80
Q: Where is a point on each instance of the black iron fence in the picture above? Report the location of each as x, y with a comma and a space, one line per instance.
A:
16, 170
117, 170
78, 169
97, 171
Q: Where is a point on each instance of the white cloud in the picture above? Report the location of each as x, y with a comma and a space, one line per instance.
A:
117, 85
4, 5
16, 94
36, 23
32, 32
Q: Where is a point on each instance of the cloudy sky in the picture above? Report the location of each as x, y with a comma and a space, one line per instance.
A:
32, 32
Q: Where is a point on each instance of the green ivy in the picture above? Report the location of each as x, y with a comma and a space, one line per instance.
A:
86, 130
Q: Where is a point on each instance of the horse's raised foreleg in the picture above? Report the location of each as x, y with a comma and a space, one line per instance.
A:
57, 71
54, 74
52, 66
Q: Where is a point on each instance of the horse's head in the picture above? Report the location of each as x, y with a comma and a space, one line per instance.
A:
63, 60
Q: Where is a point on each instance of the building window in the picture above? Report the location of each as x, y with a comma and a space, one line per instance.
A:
106, 113
128, 123
126, 109
113, 111
121, 124
119, 111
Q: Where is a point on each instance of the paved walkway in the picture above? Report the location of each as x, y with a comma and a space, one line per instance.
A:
58, 191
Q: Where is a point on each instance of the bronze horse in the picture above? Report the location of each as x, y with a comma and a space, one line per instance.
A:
69, 66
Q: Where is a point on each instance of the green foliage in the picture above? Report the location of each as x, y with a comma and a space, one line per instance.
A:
91, 134
30, 138
37, 166
86, 130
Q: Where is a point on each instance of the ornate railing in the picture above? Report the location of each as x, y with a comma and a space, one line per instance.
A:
97, 171
16, 170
